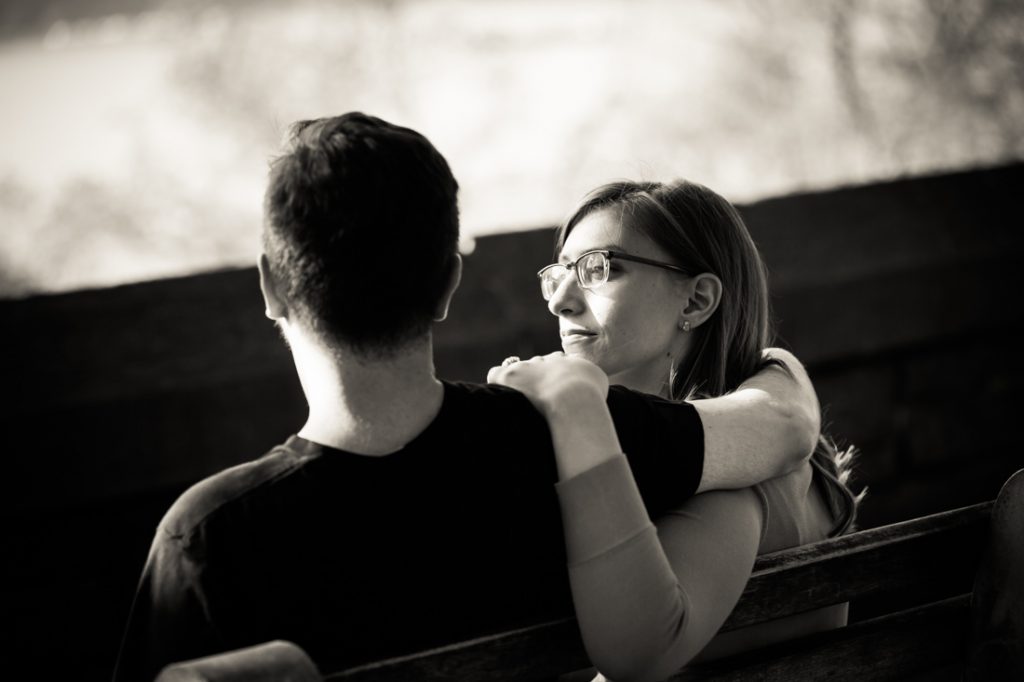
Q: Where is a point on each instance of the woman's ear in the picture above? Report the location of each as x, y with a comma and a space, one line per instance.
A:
454, 277
703, 294
276, 308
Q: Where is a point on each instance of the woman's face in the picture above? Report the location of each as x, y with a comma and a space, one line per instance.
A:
628, 326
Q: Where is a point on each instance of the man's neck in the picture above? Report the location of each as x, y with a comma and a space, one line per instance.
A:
366, 406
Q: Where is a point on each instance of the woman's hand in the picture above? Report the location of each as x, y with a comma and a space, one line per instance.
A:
570, 392
553, 380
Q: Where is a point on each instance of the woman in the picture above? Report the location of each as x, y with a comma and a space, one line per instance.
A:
661, 286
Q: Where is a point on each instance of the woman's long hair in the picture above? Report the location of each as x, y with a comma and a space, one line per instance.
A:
705, 233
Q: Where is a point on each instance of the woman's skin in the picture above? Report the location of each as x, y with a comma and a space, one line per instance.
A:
630, 328
631, 331
635, 344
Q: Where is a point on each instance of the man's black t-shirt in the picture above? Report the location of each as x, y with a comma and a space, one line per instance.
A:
357, 558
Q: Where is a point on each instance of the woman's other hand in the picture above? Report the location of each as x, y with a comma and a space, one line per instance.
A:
552, 381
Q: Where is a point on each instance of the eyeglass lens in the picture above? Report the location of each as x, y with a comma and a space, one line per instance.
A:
591, 271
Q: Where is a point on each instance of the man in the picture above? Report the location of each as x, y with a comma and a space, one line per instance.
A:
407, 512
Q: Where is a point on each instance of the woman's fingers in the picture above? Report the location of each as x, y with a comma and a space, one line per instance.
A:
495, 373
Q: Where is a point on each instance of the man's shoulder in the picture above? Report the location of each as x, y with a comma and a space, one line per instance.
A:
227, 487
481, 391
487, 418
482, 399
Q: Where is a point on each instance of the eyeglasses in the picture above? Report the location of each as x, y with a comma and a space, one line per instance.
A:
592, 269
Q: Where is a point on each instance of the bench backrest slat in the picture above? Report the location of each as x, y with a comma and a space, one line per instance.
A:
537, 652
933, 558
925, 642
930, 557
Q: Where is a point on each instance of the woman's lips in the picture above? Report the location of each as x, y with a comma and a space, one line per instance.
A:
570, 336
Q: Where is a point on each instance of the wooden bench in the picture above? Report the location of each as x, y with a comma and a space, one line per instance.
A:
909, 584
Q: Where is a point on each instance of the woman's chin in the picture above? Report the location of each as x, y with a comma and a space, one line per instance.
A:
584, 350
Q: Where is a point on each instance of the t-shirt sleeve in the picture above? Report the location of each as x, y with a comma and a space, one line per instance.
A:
664, 443
169, 620
649, 597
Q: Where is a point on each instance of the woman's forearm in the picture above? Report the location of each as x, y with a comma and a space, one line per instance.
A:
582, 431
629, 606
648, 598
766, 428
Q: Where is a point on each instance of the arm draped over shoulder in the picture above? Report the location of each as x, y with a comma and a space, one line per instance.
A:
648, 596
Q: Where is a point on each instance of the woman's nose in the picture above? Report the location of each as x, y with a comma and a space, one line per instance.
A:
567, 299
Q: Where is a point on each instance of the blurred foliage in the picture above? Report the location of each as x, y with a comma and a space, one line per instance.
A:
532, 102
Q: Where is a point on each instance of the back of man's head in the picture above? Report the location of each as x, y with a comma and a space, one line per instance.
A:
361, 229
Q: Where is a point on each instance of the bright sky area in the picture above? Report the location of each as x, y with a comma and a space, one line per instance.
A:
135, 146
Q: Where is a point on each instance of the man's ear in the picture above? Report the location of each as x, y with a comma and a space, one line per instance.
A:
454, 277
703, 294
276, 308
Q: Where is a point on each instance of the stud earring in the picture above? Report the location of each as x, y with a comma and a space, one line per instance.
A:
685, 326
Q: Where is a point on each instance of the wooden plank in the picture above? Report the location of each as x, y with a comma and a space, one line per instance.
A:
924, 643
140, 446
537, 652
208, 330
96, 346
912, 558
997, 602
894, 312
855, 233
928, 640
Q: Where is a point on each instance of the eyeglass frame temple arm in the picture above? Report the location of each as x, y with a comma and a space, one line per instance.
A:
646, 261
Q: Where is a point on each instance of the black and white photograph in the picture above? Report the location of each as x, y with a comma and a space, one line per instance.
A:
538, 341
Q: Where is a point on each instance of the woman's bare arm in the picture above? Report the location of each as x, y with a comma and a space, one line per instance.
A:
768, 427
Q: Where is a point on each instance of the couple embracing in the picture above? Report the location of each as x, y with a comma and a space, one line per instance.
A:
410, 512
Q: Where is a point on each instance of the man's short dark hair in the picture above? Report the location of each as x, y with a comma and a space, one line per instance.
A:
361, 229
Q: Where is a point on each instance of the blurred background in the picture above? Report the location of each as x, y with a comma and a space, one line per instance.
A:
134, 134
874, 148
